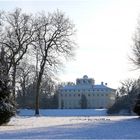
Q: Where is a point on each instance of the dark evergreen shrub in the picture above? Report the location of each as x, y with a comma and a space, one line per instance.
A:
83, 102
7, 107
121, 104
136, 108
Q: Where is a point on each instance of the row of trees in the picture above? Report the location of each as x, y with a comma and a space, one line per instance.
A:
34, 47
48, 95
126, 97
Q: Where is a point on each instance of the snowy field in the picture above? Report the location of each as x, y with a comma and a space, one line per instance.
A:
71, 124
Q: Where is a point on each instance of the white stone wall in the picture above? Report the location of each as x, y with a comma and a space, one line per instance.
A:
95, 100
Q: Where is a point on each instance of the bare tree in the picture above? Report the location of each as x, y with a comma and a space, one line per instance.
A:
25, 75
48, 86
16, 36
25, 78
126, 86
136, 47
50, 35
54, 43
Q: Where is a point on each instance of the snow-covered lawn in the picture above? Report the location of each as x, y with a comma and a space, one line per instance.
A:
71, 124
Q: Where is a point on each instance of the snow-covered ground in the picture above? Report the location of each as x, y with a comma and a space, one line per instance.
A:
71, 124
65, 112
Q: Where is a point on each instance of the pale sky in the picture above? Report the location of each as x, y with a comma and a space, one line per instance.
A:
104, 35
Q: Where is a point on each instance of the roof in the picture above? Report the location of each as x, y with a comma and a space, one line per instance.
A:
86, 83
86, 87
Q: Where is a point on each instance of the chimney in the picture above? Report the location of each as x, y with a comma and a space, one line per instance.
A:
102, 83
106, 84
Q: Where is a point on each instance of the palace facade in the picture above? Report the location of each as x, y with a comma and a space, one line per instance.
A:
97, 96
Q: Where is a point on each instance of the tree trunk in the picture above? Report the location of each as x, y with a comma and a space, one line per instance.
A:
39, 79
37, 98
24, 94
14, 81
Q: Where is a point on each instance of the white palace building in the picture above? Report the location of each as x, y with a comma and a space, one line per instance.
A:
97, 96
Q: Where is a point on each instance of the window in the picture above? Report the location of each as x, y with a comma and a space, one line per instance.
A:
69, 94
78, 94
88, 94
